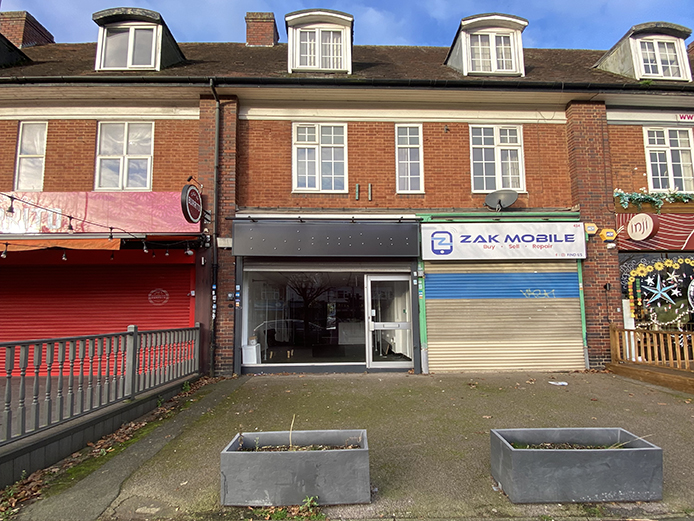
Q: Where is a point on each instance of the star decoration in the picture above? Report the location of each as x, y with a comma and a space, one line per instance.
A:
649, 280
659, 292
677, 292
673, 278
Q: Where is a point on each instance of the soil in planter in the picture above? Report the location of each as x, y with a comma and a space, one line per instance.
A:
564, 446
286, 448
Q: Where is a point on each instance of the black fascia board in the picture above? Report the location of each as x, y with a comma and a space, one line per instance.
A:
229, 82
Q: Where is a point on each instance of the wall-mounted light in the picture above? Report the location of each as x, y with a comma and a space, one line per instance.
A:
4, 252
11, 208
188, 250
144, 246
64, 255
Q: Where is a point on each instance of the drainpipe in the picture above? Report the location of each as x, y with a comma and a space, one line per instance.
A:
584, 326
215, 206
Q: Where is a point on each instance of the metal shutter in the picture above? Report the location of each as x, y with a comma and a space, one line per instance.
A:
54, 301
504, 316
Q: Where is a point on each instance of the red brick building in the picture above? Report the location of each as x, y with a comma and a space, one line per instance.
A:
370, 207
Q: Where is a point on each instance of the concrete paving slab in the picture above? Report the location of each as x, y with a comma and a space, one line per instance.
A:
428, 436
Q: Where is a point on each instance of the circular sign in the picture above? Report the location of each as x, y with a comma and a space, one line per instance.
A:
158, 297
191, 203
642, 226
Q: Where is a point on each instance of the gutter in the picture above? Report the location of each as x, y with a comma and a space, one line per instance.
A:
303, 82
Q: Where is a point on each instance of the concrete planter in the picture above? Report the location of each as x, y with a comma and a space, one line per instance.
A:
335, 477
633, 472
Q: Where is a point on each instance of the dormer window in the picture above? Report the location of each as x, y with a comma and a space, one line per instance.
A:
661, 58
489, 44
129, 47
319, 41
491, 52
650, 51
134, 39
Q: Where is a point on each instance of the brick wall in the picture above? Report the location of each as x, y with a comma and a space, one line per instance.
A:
23, 30
70, 161
591, 186
629, 169
265, 157
175, 154
70, 156
226, 276
9, 133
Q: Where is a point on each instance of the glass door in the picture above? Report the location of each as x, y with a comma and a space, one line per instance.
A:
389, 319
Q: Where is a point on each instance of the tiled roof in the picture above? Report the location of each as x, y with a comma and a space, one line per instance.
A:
371, 64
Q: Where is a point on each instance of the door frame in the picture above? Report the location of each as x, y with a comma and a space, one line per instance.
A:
368, 340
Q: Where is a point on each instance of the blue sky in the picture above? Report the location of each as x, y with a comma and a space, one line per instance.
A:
584, 24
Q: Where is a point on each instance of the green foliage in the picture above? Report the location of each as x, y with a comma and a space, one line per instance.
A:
186, 386
656, 199
593, 510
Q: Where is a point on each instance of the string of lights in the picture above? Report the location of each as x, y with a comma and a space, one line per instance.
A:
70, 228
11, 210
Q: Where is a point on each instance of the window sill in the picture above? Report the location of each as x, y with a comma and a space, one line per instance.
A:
320, 192
662, 78
494, 73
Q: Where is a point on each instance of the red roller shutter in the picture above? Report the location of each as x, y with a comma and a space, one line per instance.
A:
55, 301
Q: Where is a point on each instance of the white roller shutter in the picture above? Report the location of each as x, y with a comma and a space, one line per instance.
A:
504, 316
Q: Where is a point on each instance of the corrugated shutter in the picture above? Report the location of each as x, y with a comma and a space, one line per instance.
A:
503, 316
54, 301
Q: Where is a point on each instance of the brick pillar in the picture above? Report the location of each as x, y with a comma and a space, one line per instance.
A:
23, 30
223, 361
261, 30
591, 188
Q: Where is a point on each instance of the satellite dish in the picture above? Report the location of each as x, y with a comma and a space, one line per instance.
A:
500, 199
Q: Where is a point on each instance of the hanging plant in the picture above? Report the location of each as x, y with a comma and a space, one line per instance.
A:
656, 199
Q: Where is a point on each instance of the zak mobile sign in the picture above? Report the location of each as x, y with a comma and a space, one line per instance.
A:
471, 241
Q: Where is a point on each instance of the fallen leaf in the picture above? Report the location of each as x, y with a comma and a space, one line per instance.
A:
486, 417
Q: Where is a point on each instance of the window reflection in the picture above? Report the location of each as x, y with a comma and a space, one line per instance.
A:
301, 317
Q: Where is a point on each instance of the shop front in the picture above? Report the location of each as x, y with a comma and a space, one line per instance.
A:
656, 259
87, 263
504, 295
319, 295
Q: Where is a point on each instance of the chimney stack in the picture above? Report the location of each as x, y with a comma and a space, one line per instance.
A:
690, 50
23, 30
261, 30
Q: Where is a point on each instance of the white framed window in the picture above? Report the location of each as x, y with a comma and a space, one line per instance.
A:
492, 52
662, 57
319, 40
31, 155
496, 154
131, 46
669, 157
408, 158
320, 48
124, 156
319, 153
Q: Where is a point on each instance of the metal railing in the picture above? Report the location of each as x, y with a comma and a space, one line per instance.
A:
50, 381
672, 349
